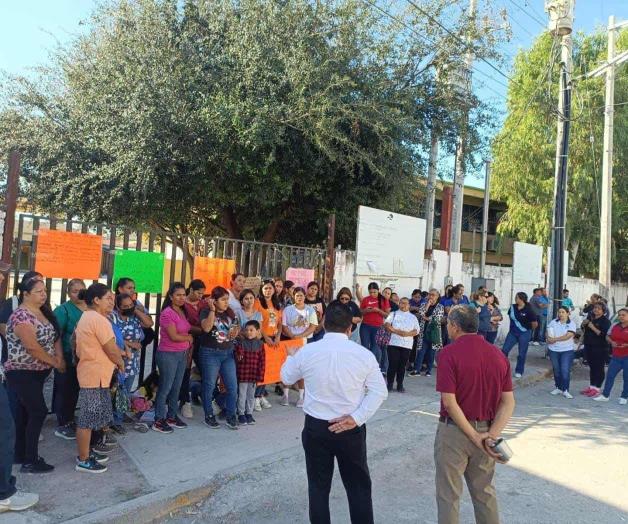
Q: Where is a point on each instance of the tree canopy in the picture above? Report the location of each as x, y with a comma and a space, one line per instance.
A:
525, 148
250, 118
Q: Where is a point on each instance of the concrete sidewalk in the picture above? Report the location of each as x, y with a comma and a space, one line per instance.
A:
151, 475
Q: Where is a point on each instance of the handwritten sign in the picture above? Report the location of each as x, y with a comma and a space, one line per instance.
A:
300, 276
64, 254
214, 271
253, 283
145, 268
276, 356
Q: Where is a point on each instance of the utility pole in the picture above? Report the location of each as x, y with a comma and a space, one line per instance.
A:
430, 193
458, 190
487, 190
561, 24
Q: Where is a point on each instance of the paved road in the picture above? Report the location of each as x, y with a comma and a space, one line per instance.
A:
570, 466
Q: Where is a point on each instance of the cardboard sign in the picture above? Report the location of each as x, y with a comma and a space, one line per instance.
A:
276, 356
214, 271
300, 276
253, 283
145, 268
64, 254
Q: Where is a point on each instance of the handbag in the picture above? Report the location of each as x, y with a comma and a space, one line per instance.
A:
382, 337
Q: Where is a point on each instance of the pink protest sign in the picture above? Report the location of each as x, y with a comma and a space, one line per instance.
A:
300, 276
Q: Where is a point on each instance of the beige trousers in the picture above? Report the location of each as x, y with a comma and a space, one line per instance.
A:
455, 455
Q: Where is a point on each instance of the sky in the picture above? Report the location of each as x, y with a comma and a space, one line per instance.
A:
31, 28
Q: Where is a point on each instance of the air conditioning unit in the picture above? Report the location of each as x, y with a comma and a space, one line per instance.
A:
492, 244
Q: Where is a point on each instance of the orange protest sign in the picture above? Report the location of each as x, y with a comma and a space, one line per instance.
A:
276, 356
214, 271
64, 254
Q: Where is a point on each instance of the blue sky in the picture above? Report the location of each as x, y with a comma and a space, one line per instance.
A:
31, 28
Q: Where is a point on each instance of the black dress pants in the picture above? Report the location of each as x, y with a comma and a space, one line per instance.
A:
349, 449
397, 361
31, 412
66, 390
596, 357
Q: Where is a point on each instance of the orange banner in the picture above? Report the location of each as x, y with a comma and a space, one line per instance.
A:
214, 271
64, 254
276, 356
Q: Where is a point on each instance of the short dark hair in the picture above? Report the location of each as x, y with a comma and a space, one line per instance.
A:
253, 323
338, 317
236, 275
465, 317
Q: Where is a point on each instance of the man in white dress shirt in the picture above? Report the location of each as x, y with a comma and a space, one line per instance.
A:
344, 387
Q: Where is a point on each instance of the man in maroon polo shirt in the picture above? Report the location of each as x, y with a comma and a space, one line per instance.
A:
476, 403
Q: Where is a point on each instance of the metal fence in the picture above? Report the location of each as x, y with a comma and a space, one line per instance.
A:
252, 258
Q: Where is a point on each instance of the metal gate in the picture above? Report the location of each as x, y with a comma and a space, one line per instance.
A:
252, 258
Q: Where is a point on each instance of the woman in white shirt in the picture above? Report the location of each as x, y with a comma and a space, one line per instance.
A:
560, 333
403, 327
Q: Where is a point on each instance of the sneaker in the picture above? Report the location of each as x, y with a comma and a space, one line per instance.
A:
161, 426
556, 391
186, 410
284, 401
98, 457
109, 439
265, 404
232, 423
242, 420
250, 420
39, 466
623, 401
66, 432
300, 403
568, 395
141, 427
535, 343
101, 449
176, 422
90, 466
119, 429
585, 390
593, 392
518, 375
414, 373
428, 374
601, 398
19, 501
211, 422
258, 405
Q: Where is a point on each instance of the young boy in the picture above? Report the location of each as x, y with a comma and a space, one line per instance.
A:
250, 362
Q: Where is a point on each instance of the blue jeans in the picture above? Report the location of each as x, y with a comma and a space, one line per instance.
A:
516, 337
171, 365
367, 338
215, 362
425, 355
491, 336
541, 329
561, 362
616, 365
7, 445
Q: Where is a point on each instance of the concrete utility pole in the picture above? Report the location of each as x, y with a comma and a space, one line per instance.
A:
458, 190
561, 24
430, 192
487, 190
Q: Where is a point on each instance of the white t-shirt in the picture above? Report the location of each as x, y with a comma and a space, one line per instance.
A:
298, 320
405, 321
557, 329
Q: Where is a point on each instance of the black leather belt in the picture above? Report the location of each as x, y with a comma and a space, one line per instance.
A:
474, 423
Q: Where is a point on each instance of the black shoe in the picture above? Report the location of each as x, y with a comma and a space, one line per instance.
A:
90, 466
38, 466
242, 420
389, 388
401, 389
176, 422
162, 426
250, 420
98, 457
414, 373
232, 422
279, 391
119, 429
428, 374
211, 422
101, 449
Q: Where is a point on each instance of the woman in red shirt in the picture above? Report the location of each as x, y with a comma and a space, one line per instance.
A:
618, 339
375, 309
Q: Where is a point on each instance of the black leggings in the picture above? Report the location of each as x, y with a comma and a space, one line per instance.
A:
397, 361
31, 412
65, 395
596, 357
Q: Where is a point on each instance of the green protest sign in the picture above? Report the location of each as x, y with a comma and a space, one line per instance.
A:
146, 269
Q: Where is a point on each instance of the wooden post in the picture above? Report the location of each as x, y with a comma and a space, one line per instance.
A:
330, 259
10, 205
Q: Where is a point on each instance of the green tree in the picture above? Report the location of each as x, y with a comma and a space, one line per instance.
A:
525, 148
252, 119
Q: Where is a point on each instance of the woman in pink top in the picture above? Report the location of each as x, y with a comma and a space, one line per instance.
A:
174, 342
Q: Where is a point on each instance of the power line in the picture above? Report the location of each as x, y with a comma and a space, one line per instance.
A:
519, 24
542, 24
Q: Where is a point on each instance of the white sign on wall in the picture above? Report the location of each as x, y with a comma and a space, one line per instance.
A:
527, 263
389, 244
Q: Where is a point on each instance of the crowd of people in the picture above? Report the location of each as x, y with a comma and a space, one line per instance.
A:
211, 351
